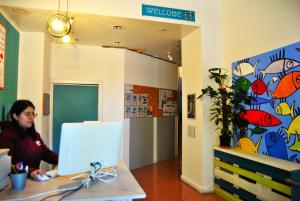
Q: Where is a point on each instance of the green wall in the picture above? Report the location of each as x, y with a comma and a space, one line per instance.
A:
9, 94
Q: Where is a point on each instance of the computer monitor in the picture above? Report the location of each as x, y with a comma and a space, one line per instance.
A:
83, 143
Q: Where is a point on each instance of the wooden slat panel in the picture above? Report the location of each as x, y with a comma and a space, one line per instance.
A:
225, 195
243, 194
254, 166
258, 190
258, 178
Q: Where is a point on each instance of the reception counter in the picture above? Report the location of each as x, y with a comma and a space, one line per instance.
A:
125, 187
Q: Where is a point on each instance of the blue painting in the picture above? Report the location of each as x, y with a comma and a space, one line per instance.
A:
271, 84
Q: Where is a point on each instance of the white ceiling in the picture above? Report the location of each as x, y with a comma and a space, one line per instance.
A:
140, 35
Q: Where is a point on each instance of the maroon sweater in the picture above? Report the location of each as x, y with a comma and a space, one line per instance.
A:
26, 148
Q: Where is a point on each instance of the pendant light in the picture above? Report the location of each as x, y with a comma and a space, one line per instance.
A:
59, 25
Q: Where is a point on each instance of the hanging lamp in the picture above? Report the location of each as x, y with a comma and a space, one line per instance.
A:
59, 25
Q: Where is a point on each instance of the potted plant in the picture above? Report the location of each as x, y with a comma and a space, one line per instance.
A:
225, 106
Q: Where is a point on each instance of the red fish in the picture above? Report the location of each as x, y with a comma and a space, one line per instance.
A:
259, 87
287, 85
260, 118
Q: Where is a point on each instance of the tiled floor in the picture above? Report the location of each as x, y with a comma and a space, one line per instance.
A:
162, 182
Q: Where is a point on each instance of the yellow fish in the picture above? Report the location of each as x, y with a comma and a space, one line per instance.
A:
294, 128
283, 108
246, 144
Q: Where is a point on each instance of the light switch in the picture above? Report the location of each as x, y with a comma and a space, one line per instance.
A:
191, 131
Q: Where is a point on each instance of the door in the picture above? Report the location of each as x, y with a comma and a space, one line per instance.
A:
73, 103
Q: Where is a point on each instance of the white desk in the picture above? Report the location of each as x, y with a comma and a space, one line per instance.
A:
125, 187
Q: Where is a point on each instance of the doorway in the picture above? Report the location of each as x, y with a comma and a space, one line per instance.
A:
73, 103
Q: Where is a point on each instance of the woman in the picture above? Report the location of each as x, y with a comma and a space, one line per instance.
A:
25, 144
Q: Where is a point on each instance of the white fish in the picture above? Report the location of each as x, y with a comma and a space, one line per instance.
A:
280, 66
244, 68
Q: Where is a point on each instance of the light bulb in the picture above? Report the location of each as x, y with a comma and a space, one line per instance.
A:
66, 39
57, 25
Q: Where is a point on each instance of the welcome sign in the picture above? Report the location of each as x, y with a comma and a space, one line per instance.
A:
171, 13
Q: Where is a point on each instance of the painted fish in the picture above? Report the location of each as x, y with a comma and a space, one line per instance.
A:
283, 108
294, 128
280, 64
258, 101
257, 130
244, 68
242, 85
275, 145
259, 87
295, 146
246, 144
287, 85
260, 118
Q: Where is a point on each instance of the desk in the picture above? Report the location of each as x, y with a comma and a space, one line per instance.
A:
125, 187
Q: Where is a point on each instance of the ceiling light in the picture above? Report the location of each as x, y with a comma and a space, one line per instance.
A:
118, 27
66, 39
59, 25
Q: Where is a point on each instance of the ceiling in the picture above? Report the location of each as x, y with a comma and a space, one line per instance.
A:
156, 39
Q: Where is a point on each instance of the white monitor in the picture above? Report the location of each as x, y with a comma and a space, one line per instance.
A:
83, 143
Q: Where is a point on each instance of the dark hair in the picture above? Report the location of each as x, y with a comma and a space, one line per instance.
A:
17, 108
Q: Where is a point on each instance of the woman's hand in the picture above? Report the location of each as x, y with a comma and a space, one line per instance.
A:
34, 174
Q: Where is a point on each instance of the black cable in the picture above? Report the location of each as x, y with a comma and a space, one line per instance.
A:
72, 191
61, 193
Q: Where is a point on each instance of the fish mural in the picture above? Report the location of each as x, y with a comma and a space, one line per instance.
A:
258, 101
259, 87
296, 145
287, 85
260, 118
284, 108
294, 127
244, 67
246, 144
279, 63
268, 85
258, 130
276, 145
242, 85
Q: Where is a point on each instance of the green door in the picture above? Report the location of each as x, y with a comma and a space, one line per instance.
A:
73, 103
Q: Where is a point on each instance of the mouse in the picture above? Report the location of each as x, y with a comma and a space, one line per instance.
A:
42, 177
52, 173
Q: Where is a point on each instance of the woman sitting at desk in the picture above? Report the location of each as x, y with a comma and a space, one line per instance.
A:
25, 144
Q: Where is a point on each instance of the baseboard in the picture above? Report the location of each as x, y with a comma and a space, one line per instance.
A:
196, 186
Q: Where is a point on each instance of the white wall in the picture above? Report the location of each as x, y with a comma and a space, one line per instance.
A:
46, 84
148, 71
30, 75
93, 64
259, 26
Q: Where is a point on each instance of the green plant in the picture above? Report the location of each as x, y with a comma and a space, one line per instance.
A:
222, 97
226, 106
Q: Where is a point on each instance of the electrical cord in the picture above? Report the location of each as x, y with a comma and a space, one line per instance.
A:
98, 172
41, 194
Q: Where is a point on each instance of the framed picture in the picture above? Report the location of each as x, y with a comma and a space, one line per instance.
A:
191, 106
2, 54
